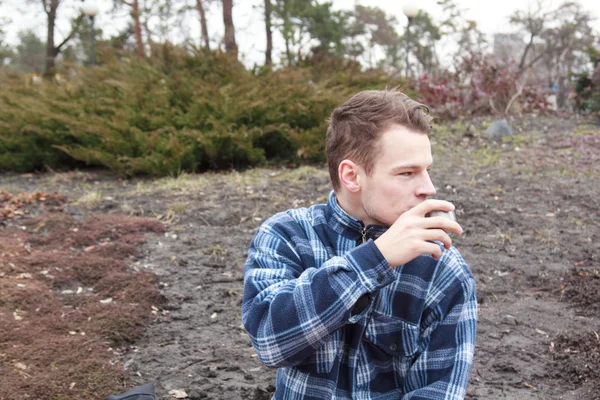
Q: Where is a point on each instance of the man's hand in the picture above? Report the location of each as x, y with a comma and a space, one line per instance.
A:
410, 236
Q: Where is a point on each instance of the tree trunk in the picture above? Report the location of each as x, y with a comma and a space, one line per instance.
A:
524, 56
595, 77
50, 50
203, 26
561, 93
288, 53
268, 59
51, 7
230, 45
137, 27
148, 32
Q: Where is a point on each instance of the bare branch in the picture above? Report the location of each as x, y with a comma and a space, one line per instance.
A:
514, 97
148, 31
524, 56
45, 5
492, 106
78, 22
536, 59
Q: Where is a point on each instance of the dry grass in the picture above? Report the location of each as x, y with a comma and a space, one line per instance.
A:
67, 295
90, 199
238, 181
301, 174
184, 183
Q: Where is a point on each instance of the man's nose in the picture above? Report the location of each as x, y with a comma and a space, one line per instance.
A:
426, 187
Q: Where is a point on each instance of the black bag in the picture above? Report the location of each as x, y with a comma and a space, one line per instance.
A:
144, 392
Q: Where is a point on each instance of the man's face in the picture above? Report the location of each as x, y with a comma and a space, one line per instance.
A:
399, 179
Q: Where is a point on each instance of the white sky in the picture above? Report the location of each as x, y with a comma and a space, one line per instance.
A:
491, 16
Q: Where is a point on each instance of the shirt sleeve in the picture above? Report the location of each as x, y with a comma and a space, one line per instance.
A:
290, 309
441, 371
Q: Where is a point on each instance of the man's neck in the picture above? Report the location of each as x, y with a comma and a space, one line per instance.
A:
351, 205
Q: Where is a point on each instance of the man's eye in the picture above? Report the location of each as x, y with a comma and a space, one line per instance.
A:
405, 173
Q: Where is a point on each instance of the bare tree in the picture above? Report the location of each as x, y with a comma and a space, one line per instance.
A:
565, 49
534, 22
595, 77
137, 26
165, 13
557, 42
283, 10
230, 45
5, 51
51, 8
371, 29
463, 31
268, 53
203, 24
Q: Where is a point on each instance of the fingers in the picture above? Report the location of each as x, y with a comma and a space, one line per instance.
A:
441, 223
439, 235
413, 234
430, 205
434, 249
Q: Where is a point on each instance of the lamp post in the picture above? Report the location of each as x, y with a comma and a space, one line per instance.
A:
410, 9
91, 10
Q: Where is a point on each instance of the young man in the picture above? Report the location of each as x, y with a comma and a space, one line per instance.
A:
364, 297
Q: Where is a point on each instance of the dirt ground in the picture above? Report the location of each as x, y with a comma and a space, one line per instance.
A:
529, 206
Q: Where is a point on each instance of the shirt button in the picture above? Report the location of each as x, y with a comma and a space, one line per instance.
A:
393, 347
380, 278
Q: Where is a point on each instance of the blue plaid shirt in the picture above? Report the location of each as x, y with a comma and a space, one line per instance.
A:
413, 339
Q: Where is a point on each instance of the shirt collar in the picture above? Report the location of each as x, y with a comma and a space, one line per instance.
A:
347, 225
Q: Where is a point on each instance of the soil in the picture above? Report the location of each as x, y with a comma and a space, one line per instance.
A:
529, 205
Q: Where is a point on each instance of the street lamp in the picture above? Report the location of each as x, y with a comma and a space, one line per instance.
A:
410, 9
91, 10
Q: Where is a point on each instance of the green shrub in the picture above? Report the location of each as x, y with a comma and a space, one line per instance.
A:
174, 113
587, 89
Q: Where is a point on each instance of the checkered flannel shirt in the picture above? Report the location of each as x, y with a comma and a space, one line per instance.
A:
412, 338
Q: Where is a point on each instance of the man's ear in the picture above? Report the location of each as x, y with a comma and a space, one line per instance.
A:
349, 174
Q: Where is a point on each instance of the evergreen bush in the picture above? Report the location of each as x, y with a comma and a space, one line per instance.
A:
174, 113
